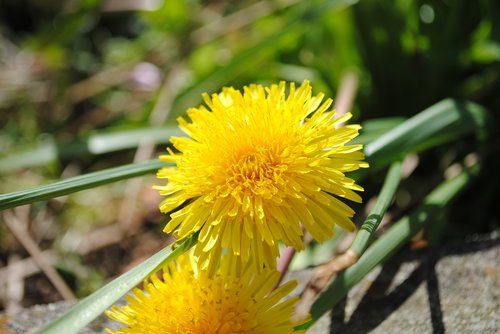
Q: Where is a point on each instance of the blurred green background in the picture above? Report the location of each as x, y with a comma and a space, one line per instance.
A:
91, 84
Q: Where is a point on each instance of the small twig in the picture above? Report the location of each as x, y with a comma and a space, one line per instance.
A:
130, 5
321, 277
284, 263
346, 93
99, 238
15, 285
127, 219
287, 256
176, 80
18, 229
100, 82
25, 267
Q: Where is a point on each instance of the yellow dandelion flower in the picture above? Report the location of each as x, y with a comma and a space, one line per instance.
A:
188, 301
255, 167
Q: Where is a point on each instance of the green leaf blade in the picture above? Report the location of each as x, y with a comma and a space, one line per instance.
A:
92, 306
442, 122
78, 183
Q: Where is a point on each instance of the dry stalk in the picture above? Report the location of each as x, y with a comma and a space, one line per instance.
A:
18, 228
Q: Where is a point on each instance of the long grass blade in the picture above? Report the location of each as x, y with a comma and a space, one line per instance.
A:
78, 183
442, 122
92, 306
371, 223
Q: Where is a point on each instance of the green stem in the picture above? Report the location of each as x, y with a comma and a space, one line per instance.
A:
78, 183
371, 223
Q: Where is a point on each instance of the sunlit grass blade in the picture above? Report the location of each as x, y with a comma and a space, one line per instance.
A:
385, 197
94, 144
92, 306
78, 183
390, 242
100, 143
373, 128
443, 122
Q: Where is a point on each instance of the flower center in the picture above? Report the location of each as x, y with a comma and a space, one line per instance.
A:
256, 171
251, 168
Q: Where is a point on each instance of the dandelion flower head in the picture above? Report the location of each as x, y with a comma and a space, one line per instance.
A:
256, 167
188, 301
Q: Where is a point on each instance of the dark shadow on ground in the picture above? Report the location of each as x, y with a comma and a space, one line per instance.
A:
377, 303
